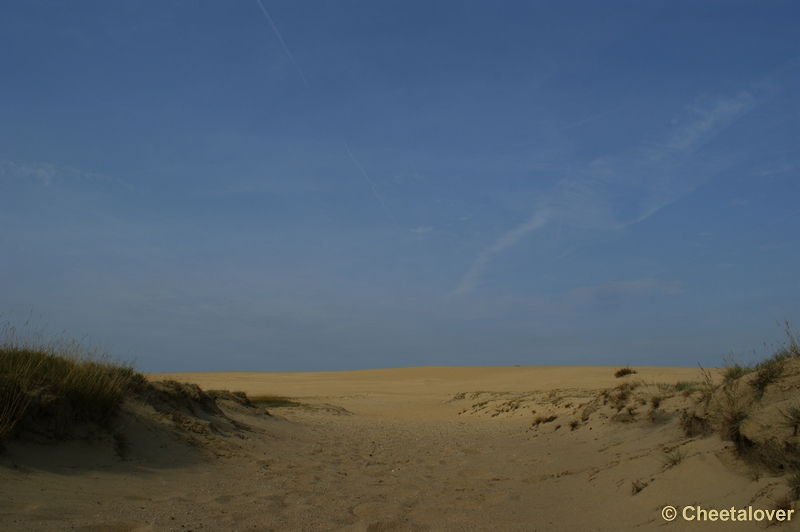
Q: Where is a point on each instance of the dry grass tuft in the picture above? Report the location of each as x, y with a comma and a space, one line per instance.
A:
784, 502
674, 458
655, 401
727, 415
733, 371
791, 418
538, 420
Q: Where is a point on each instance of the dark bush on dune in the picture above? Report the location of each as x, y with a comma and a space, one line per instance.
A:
627, 370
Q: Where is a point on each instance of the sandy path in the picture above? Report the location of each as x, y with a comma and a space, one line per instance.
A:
412, 449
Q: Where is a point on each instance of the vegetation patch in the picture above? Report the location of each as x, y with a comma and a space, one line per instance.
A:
627, 370
674, 458
791, 418
274, 401
60, 389
47, 387
538, 420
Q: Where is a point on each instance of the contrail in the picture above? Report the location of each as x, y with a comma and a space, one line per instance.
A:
472, 277
281, 39
370, 184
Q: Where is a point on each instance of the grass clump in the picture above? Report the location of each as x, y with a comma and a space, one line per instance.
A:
688, 388
731, 412
627, 370
766, 373
674, 458
655, 401
538, 420
273, 401
58, 382
733, 371
791, 418
619, 396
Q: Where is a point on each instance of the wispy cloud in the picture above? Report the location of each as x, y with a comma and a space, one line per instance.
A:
616, 191
278, 34
777, 168
46, 173
472, 277
670, 170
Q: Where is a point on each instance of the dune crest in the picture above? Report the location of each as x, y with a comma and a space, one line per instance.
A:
519, 448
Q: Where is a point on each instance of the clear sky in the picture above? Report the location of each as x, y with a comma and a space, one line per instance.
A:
291, 185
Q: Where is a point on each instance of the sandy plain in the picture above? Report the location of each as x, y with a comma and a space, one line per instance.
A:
432, 448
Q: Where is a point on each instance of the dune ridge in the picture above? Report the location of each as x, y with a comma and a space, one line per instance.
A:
428, 448
514, 448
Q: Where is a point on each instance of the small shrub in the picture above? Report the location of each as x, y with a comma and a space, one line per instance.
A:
655, 401
574, 424
791, 418
627, 370
674, 458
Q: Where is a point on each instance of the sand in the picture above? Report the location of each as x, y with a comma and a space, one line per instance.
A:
432, 448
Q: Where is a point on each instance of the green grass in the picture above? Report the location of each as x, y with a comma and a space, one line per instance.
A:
732, 371
58, 379
273, 401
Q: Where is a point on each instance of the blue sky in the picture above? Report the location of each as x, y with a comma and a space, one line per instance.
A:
209, 185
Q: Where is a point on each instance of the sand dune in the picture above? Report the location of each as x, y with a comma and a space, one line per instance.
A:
509, 448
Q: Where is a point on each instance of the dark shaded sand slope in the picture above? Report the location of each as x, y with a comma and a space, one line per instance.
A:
419, 449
